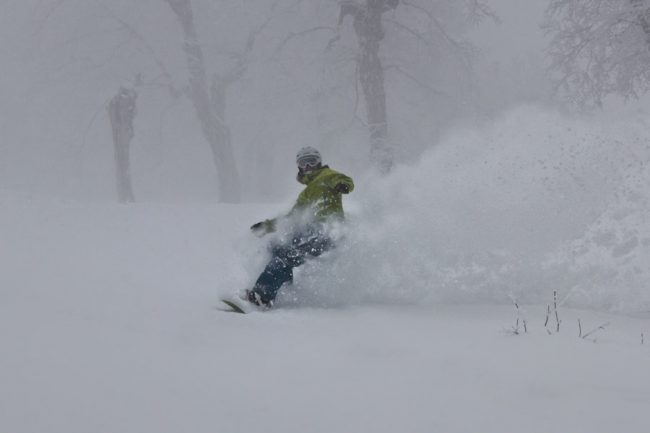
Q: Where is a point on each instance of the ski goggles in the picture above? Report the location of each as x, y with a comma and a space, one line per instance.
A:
308, 162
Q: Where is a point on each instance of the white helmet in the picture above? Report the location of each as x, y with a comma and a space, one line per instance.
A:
308, 158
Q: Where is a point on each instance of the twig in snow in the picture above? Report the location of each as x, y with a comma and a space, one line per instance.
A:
557, 317
579, 329
601, 327
515, 329
548, 315
642, 338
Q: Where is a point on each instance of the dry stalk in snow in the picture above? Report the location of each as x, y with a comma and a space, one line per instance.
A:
557, 317
515, 329
601, 327
548, 315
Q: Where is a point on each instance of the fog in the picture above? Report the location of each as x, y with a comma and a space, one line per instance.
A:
499, 151
63, 61
495, 169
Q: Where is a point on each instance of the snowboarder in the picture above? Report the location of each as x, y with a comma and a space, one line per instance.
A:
305, 225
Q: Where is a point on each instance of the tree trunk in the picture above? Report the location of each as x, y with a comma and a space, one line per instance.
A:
121, 112
213, 126
369, 31
218, 99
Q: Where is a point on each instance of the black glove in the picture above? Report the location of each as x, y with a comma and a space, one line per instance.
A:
342, 188
264, 227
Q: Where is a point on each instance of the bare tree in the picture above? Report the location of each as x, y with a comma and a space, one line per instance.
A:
121, 112
369, 30
599, 48
209, 111
222, 82
369, 19
133, 49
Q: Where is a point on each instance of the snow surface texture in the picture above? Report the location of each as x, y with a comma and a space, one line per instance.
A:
107, 318
107, 324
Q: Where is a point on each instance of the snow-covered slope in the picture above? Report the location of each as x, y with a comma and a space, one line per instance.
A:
108, 320
107, 324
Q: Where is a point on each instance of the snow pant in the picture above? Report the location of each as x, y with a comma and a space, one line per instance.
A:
285, 257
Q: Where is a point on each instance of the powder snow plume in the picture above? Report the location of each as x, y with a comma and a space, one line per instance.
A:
531, 203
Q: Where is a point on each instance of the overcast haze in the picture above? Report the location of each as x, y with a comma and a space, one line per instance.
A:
62, 62
489, 270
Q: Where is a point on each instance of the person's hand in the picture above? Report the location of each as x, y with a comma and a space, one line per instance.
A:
259, 228
342, 188
262, 228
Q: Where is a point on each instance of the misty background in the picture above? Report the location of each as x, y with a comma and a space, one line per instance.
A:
505, 183
500, 182
62, 61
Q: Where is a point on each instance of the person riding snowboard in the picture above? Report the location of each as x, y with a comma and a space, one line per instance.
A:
305, 225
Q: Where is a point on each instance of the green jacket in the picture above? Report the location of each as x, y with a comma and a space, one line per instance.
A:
322, 197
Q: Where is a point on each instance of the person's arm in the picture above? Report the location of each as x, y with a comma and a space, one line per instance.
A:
341, 183
269, 226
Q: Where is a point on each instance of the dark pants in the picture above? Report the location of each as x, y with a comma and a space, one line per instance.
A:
285, 257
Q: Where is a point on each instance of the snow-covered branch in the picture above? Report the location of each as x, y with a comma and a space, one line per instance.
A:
599, 48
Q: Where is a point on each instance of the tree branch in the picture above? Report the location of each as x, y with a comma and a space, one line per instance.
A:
145, 44
294, 35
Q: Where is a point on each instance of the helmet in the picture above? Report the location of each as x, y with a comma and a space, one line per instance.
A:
308, 158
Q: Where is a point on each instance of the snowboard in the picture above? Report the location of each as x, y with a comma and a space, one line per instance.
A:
233, 307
